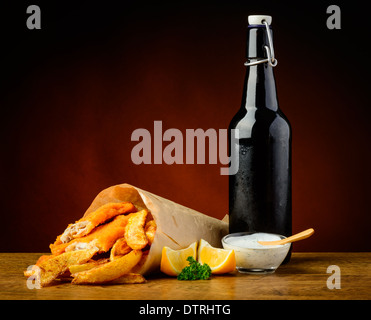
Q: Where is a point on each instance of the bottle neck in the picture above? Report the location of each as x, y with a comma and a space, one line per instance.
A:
260, 86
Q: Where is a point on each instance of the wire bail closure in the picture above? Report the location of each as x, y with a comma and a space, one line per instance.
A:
272, 61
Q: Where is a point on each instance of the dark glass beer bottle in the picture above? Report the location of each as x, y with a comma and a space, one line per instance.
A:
260, 192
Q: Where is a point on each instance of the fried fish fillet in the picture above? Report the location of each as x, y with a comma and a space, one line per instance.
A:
85, 225
102, 237
109, 271
134, 232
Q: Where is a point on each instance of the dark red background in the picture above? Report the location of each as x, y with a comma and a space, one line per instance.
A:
73, 92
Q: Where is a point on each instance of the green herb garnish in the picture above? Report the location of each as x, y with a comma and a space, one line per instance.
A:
195, 271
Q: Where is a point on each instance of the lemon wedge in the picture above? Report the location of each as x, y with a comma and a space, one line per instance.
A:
219, 260
173, 261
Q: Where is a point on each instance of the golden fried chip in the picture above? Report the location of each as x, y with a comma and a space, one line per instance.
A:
53, 267
134, 231
120, 248
129, 278
31, 271
87, 266
150, 230
43, 258
109, 271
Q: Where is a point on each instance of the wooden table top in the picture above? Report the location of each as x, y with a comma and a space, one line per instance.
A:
305, 277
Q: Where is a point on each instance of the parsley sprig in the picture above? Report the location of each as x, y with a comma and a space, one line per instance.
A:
195, 271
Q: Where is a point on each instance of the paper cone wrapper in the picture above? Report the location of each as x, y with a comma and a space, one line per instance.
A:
177, 226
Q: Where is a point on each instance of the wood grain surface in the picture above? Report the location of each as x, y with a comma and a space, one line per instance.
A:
305, 277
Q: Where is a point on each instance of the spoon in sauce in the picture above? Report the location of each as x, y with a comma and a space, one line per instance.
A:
296, 237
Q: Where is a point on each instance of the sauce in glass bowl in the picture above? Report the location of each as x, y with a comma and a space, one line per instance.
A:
253, 257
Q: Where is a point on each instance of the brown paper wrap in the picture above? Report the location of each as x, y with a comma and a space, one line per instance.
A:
177, 226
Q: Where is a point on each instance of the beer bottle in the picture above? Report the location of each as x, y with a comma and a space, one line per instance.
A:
260, 192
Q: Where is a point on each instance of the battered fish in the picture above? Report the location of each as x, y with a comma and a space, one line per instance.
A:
102, 237
85, 225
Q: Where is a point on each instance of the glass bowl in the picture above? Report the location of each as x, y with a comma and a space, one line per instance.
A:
251, 256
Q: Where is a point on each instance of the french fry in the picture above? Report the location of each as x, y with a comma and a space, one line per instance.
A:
150, 230
43, 258
87, 266
30, 271
134, 231
53, 267
109, 271
129, 278
120, 248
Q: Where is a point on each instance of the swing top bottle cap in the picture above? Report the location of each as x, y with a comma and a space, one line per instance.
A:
258, 19
257, 37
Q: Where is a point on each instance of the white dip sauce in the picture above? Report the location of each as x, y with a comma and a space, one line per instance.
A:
251, 240
252, 255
